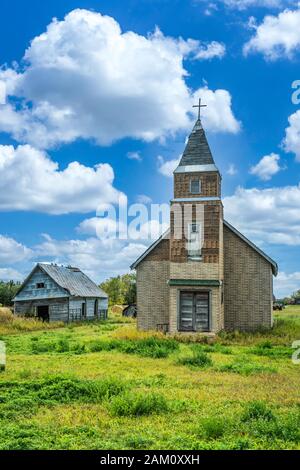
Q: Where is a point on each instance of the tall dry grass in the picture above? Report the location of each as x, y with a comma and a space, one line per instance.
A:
10, 323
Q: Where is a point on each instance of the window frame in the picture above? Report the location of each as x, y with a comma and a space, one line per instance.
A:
194, 180
40, 285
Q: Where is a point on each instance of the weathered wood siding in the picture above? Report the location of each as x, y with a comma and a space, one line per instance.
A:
31, 292
75, 307
58, 308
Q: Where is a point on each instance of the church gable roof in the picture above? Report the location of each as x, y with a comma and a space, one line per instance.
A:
165, 236
197, 151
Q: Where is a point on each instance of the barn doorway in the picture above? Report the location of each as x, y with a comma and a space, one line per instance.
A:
194, 311
43, 312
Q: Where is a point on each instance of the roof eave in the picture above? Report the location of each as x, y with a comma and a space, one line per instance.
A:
149, 249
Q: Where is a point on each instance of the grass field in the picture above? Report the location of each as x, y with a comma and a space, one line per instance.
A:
105, 386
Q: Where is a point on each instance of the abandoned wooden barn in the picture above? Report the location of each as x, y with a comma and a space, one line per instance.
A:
59, 293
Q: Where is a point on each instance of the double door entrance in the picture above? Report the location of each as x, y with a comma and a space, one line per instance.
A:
194, 311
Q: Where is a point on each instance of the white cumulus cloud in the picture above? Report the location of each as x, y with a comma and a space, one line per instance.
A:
167, 167
218, 115
210, 51
12, 251
231, 171
292, 135
98, 258
30, 180
286, 284
267, 167
269, 216
277, 36
86, 78
10, 274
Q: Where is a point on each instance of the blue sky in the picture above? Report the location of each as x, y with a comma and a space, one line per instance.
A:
99, 105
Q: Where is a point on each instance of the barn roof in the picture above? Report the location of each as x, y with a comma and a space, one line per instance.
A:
72, 279
197, 151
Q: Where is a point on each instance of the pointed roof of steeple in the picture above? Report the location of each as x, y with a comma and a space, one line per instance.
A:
197, 151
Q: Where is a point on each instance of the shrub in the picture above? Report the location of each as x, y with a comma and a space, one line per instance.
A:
197, 359
244, 367
150, 347
78, 348
213, 348
6, 315
267, 349
98, 346
40, 347
213, 427
140, 404
62, 345
257, 410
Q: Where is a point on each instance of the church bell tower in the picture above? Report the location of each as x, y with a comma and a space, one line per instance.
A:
196, 240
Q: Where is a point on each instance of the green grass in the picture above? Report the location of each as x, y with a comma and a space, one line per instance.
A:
103, 385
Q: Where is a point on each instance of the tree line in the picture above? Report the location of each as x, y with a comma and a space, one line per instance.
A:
7, 292
121, 290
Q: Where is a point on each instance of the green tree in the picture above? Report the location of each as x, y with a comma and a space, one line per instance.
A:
296, 294
120, 289
7, 292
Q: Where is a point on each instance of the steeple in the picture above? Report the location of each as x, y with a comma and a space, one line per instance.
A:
197, 151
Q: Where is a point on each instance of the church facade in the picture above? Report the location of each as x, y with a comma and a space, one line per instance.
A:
202, 275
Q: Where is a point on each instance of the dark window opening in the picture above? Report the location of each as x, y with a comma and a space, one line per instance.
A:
40, 285
83, 309
96, 308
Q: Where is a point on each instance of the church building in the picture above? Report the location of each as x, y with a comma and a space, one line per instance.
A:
202, 275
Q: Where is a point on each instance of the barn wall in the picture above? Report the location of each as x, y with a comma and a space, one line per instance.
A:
75, 306
30, 291
248, 286
58, 308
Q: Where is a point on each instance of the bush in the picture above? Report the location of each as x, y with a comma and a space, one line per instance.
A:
213, 427
148, 347
140, 404
257, 410
59, 389
244, 367
62, 345
98, 345
6, 315
198, 359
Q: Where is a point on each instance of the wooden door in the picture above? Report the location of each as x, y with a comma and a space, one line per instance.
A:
194, 311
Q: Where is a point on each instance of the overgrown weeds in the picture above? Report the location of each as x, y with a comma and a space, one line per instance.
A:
243, 366
138, 404
197, 359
